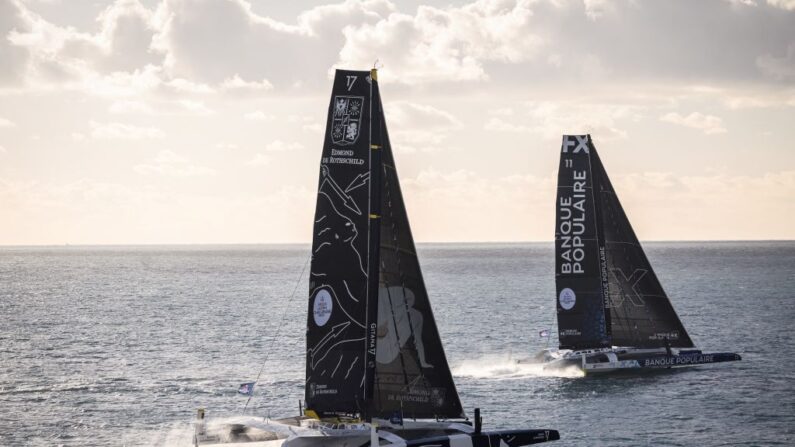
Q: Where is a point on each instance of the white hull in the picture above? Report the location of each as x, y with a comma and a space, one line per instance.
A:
620, 359
304, 432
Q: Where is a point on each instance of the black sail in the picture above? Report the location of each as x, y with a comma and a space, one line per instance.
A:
373, 348
339, 362
640, 312
608, 293
412, 375
579, 251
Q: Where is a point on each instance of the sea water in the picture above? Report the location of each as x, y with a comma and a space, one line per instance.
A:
120, 345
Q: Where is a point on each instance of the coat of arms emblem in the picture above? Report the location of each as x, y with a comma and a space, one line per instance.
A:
347, 119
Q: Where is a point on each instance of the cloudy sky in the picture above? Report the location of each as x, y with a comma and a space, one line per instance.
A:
201, 121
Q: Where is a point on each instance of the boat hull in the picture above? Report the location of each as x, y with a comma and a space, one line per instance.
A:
628, 361
303, 433
510, 438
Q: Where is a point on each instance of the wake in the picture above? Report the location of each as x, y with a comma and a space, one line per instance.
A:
508, 367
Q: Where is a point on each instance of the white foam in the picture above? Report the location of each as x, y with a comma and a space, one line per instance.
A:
507, 367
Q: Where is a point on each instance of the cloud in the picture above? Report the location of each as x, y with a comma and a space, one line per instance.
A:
739, 3
781, 68
663, 205
411, 114
169, 164
259, 160
90, 211
660, 205
212, 41
281, 146
160, 107
194, 47
552, 119
596, 9
708, 124
419, 127
258, 115
789, 5
57, 54
6, 122
237, 83
3, 150
470, 201
449, 44
121, 131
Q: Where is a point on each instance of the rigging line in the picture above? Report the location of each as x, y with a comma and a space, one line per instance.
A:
278, 328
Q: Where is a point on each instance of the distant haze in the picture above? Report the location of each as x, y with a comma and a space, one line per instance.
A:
201, 121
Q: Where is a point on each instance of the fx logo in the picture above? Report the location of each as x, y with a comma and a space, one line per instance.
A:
627, 287
581, 143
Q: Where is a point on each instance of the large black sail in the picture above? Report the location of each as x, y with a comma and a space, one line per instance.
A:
608, 293
412, 375
580, 275
640, 312
340, 323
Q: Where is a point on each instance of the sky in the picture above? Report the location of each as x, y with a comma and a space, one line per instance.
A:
202, 121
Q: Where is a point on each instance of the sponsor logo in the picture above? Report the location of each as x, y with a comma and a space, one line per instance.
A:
346, 119
571, 225
322, 306
581, 143
316, 389
679, 360
567, 299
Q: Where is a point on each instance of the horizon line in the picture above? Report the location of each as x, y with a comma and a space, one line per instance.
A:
209, 244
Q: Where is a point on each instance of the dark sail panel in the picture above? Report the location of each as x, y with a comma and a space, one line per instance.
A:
339, 290
579, 254
412, 375
640, 312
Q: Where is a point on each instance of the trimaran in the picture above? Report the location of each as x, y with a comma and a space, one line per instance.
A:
376, 372
613, 314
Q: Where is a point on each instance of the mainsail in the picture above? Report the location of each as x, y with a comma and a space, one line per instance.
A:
373, 348
608, 293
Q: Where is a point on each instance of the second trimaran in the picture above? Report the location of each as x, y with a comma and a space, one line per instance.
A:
376, 371
612, 312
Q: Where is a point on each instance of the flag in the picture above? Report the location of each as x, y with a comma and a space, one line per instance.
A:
246, 389
544, 333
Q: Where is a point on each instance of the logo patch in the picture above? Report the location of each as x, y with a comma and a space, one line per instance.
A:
567, 299
347, 119
321, 308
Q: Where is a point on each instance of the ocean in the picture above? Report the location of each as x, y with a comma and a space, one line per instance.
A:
118, 346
